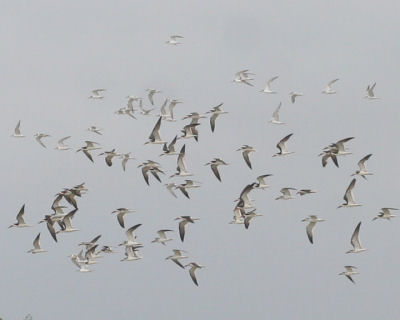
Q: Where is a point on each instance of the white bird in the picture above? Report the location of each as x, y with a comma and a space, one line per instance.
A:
170, 149
286, 195
162, 237
246, 149
188, 184
125, 158
97, 94
244, 199
312, 221
171, 107
190, 131
243, 77
193, 267
261, 182
328, 89
36, 246
176, 257
349, 196
338, 147
95, 129
216, 111
164, 113
131, 236
174, 40
20, 219
121, 212
181, 165
109, 156
363, 172
238, 215
39, 137
80, 262
155, 137
303, 192
17, 131
131, 253
355, 241
150, 95
65, 224
184, 221
385, 214
249, 216
275, 115
282, 147
294, 95
90, 146
267, 88
61, 145
214, 166
370, 92
143, 111
91, 243
171, 186
349, 272
152, 167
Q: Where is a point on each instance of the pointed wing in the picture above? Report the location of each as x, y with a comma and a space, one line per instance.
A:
246, 158
309, 229
275, 115
36, 242
214, 169
182, 229
212, 121
192, 275
361, 163
20, 215
355, 238
348, 196
120, 218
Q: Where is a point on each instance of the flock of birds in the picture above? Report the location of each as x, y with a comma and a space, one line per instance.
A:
244, 212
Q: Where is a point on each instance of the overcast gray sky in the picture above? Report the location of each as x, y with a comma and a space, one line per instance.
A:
55, 53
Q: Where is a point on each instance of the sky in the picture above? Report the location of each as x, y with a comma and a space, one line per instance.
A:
55, 53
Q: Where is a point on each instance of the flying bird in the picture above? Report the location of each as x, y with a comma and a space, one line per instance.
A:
275, 115
162, 236
174, 40
184, 221
150, 95
294, 95
328, 89
246, 149
385, 214
17, 131
261, 182
349, 196
216, 111
121, 212
355, 241
39, 137
97, 94
61, 145
286, 195
193, 267
176, 257
370, 92
20, 219
36, 246
363, 172
214, 164
349, 272
249, 216
155, 134
312, 221
282, 146
267, 88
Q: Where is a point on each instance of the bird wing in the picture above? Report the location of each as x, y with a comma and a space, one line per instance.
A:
361, 163
192, 274
182, 225
246, 158
214, 169
355, 238
20, 218
309, 229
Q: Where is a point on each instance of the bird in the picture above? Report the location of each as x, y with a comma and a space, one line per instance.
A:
238, 215
385, 214
97, 94
164, 113
214, 164
184, 221
17, 131
20, 219
171, 107
349, 197
275, 115
363, 172
216, 111
150, 95
248, 216
176, 257
174, 40
282, 146
95, 129
286, 195
246, 149
190, 131
125, 158
131, 253
370, 92
328, 89
143, 111
188, 184
312, 221
39, 137
261, 182
50, 226
121, 212
193, 267
170, 149
171, 186
181, 170
349, 272
80, 262
155, 134
131, 236
243, 77
91, 243
109, 156
355, 241
36, 246
90, 146
303, 192
61, 145
244, 199
294, 95
162, 236
152, 167
267, 88
329, 154
65, 223
338, 147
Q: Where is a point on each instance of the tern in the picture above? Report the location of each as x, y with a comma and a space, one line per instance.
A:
164, 114
20, 219
131, 236
171, 186
267, 88
338, 148
50, 226
95, 129
214, 166
97, 94
90, 243
171, 107
153, 168
329, 154
109, 156
312, 221
154, 137
17, 131
349, 197
143, 111
90, 146
248, 216
150, 95
261, 182
162, 237
355, 241
246, 149
193, 267
349, 272
370, 92
294, 95
120, 215
238, 216
244, 199
190, 131
36, 246
176, 257
385, 214
39, 137
188, 184
65, 224
363, 172
170, 149
275, 115
174, 40
125, 158
131, 253
181, 168
303, 192
184, 221
286, 195
216, 111
282, 146
61, 145
328, 89
243, 77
